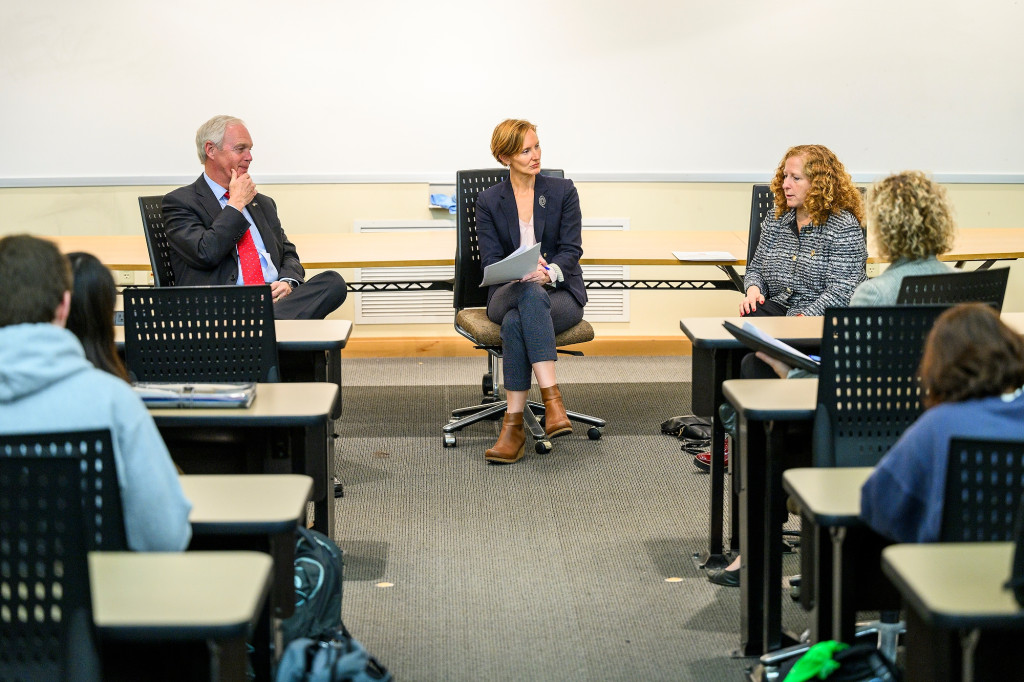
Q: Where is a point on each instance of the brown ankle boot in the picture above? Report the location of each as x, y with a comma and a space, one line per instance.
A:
555, 422
511, 440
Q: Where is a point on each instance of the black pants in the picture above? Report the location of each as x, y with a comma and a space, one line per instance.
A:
314, 299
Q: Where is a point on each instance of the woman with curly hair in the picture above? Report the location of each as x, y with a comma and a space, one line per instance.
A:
811, 254
972, 375
912, 223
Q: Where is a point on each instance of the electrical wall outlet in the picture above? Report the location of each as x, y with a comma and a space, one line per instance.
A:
872, 270
124, 278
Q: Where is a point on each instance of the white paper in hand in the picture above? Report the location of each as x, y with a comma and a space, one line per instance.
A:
514, 266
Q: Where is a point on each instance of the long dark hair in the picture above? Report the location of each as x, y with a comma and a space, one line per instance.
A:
91, 319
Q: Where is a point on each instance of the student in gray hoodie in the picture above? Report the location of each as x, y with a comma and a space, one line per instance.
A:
47, 384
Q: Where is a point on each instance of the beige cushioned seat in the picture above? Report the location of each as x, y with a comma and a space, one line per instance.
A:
487, 333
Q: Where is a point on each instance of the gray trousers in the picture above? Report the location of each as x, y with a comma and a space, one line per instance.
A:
530, 315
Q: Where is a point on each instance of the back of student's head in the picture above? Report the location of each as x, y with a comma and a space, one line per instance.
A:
34, 275
970, 353
911, 217
91, 318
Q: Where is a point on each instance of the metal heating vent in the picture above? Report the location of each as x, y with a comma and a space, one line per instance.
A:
408, 307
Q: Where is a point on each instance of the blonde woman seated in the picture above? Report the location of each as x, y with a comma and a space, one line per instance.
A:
527, 209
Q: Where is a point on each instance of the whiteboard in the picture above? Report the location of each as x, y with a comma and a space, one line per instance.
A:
111, 92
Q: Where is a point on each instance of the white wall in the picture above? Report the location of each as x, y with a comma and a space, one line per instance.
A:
111, 92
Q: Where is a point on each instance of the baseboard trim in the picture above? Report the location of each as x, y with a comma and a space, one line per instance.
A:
457, 347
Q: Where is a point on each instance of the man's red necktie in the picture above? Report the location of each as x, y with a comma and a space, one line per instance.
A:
252, 271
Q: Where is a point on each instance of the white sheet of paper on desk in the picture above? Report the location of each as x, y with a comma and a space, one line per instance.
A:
516, 265
703, 255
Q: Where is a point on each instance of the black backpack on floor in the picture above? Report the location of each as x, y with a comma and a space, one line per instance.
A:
318, 646
318, 576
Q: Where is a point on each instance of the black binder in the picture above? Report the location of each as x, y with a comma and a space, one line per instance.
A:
789, 355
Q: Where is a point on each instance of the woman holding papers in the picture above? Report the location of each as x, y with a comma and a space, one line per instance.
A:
812, 253
527, 209
972, 373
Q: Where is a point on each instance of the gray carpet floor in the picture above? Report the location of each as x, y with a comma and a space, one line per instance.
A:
554, 568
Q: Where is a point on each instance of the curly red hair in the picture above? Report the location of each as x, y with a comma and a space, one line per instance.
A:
832, 189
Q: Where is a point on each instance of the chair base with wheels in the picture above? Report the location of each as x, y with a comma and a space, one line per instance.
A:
474, 324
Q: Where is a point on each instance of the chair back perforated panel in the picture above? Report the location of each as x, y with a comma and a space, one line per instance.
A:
103, 517
58, 500
468, 272
868, 387
762, 204
156, 240
984, 486
189, 334
982, 286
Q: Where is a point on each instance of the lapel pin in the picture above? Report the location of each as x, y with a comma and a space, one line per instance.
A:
542, 201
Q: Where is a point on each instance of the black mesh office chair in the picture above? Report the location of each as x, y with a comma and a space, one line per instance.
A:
868, 394
983, 492
156, 240
59, 499
868, 390
209, 334
470, 301
984, 286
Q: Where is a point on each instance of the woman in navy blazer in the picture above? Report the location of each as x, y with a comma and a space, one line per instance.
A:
526, 209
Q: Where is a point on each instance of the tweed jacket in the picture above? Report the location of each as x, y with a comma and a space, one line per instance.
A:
811, 269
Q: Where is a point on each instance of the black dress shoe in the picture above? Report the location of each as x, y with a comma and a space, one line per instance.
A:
723, 576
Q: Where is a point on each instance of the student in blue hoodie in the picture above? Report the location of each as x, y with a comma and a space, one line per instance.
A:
972, 373
47, 384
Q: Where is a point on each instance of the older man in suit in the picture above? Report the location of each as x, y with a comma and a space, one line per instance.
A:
223, 231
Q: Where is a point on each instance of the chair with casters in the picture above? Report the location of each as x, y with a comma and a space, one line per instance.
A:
982, 286
200, 334
59, 499
156, 240
471, 321
868, 394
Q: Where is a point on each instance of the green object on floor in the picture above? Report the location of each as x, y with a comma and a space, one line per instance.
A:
817, 663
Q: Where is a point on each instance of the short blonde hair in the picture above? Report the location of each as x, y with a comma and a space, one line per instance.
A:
910, 217
507, 138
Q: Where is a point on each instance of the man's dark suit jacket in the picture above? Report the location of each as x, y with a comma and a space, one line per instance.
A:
557, 224
203, 236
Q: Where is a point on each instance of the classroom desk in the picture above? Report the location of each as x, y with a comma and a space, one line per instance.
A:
265, 508
829, 500
600, 247
437, 247
762, 408
253, 512
284, 431
170, 596
309, 350
716, 358
955, 588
